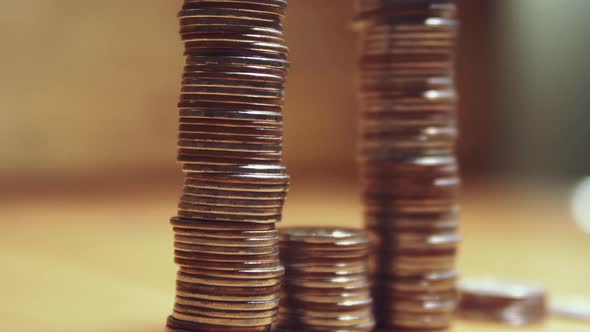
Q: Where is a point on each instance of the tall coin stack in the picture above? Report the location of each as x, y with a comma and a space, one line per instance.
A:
230, 146
408, 164
326, 286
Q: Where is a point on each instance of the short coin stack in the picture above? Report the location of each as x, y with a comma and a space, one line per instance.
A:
502, 301
230, 146
408, 164
326, 286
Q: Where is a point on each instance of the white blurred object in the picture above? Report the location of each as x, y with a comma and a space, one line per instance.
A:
580, 204
575, 307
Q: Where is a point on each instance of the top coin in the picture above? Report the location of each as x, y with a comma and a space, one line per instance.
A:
261, 7
273, 3
319, 235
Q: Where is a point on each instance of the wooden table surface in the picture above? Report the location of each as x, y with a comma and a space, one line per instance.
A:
104, 262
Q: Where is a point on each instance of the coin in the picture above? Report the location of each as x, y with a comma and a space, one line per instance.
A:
173, 323
501, 301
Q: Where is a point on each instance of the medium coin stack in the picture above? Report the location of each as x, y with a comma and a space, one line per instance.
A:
326, 285
230, 146
501, 301
407, 159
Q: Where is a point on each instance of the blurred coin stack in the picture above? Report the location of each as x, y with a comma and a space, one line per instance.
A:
408, 165
502, 301
326, 285
230, 146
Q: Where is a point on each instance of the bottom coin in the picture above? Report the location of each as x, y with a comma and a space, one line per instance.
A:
176, 325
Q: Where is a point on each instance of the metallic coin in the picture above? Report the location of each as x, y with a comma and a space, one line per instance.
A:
315, 237
240, 92
192, 294
257, 77
417, 241
247, 6
402, 265
276, 87
195, 154
213, 226
243, 148
223, 22
224, 313
210, 248
247, 322
226, 235
502, 301
222, 124
344, 321
252, 273
417, 321
238, 115
227, 13
216, 158
225, 210
258, 179
195, 252
431, 282
327, 268
205, 262
191, 128
215, 201
229, 282
234, 290
230, 306
231, 243
420, 302
275, 3
221, 195
263, 103
351, 298
245, 154
255, 187
172, 322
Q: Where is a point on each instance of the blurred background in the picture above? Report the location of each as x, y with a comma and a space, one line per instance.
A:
89, 89
88, 177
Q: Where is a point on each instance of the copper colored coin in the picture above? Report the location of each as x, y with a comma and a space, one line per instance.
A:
238, 274
175, 325
205, 263
217, 226
226, 235
221, 195
221, 257
234, 290
193, 294
215, 201
246, 322
253, 185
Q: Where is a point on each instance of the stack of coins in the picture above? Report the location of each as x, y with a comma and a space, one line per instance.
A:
230, 146
326, 285
502, 301
407, 159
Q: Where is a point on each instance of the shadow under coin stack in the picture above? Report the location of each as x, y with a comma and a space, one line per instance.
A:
408, 164
326, 286
230, 146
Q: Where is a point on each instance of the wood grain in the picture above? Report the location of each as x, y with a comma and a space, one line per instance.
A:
104, 263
